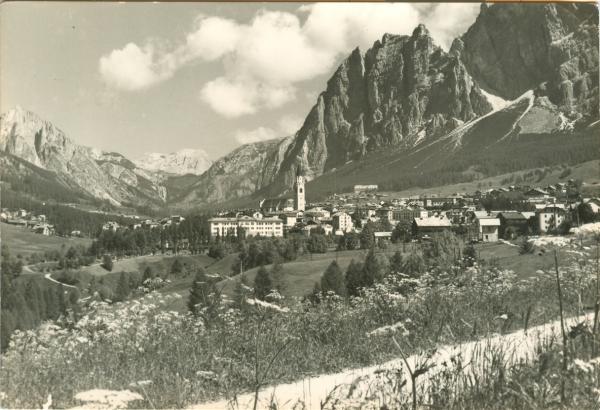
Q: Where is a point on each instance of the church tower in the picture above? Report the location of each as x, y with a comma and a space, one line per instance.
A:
299, 200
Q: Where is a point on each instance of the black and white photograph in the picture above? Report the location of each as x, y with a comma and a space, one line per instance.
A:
299, 206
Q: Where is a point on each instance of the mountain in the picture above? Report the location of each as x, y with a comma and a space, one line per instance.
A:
182, 162
523, 75
85, 171
238, 174
551, 48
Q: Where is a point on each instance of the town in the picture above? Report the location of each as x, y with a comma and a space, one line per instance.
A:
492, 215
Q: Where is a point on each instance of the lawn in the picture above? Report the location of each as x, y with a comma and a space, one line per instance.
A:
21, 241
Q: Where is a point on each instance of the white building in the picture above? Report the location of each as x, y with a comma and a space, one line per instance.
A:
342, 222
550, 217
487, 229
250, 226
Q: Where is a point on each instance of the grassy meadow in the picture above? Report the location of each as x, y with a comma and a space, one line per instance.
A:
174, 359
22, 241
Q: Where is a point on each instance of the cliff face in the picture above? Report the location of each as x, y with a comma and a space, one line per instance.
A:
403, 91
551, 48
102, 175
240, 173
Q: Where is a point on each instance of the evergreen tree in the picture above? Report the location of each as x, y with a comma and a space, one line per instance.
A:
148, 274
354, 278
123, 289
376, 267
277, 273
262, 283
333, 280
396, 262
414, 265
469, 255
317, 243
367, 236
61, 299
242, 291
204, 298
176, 267
107, 262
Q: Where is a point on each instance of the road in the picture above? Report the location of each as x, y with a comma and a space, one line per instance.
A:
315, 390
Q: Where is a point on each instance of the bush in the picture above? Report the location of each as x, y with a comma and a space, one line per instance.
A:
107, 262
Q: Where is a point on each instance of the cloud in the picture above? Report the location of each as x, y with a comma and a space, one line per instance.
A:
133, 68
257, 135
236, 97
265, 59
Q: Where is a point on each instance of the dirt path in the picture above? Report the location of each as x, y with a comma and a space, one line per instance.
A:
313, 391
51, 279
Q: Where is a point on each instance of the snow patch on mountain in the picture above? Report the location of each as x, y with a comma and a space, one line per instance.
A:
184, 161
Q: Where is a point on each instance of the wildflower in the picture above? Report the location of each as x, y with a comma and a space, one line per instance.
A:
258, 302
206, 374
583, 366
140, 383
390, 329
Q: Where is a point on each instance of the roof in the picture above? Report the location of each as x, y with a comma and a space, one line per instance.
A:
383, 234
489, 222
433, 222
512, 215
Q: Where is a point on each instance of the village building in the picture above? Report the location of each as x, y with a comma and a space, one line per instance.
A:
365, 188
342, 222
245, 225
427, 226
550, 217
110, 226
43, 229
487, 229
513, 224
290, 219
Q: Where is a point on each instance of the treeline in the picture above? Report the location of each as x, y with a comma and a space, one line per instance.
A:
192, 234
65, 219
26, 302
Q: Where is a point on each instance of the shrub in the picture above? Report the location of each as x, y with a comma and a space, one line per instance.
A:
107, 262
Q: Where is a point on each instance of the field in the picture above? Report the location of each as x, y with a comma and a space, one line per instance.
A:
22, 241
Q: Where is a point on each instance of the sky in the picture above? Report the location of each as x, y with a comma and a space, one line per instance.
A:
156, 77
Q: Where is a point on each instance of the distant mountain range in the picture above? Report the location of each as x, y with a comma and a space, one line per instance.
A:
519, 89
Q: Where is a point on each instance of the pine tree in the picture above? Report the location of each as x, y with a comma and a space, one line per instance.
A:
61, 300
199, 291
277, 273
414, 265
367, 236
396, 262
262, 283
241, 291
333, 280
354, 278
176, 267
376, 267
107, 262
123, 289
148, 274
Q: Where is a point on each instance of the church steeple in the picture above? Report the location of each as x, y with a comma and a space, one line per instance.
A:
299, 191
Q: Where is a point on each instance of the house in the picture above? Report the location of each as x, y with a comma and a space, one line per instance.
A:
383, 236
342, 222
289, 219
317, 213
430, 225
512, 224
245, 225
536, 195
276, 205
43, 229
110, 226
407, 215
550, 217
365, 188
487, 229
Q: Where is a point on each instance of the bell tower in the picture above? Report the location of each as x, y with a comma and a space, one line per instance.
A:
299, 200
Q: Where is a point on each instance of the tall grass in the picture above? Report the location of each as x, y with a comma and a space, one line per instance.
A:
184, 362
